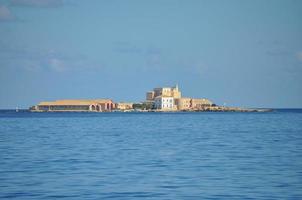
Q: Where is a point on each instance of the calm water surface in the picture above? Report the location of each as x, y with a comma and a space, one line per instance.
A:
151, 155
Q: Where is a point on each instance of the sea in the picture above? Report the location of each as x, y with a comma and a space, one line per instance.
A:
205, 155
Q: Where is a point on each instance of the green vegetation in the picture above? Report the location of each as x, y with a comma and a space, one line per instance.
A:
142, 106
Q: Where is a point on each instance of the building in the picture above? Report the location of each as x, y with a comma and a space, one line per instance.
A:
164, 103
96, 105
169, 98
163, 91
163, 98
186, 103
200, 103
183, 103
150, 96
124, 106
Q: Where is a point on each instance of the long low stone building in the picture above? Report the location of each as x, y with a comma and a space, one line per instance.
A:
186, 103
75, 105
124, 105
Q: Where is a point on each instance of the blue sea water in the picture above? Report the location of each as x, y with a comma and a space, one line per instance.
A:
151, 155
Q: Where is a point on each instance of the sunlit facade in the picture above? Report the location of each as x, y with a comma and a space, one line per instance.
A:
73, 105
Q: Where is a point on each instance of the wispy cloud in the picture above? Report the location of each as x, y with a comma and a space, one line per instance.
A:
196, 66
127, 48
299, 56
41, 60
6, 14
57, 65
154, 61
278, 52
37, 3
153, 57
31, 66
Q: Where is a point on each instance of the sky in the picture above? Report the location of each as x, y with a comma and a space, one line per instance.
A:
241, 53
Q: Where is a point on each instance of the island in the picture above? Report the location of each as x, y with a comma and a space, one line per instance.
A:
160, 99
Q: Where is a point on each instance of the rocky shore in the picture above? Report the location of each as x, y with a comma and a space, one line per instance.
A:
205, 109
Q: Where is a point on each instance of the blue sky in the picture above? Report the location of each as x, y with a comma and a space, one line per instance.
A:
243, 53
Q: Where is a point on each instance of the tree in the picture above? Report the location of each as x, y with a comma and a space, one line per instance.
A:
143, 106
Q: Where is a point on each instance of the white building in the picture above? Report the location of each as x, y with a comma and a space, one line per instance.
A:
163, 91
164, 103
